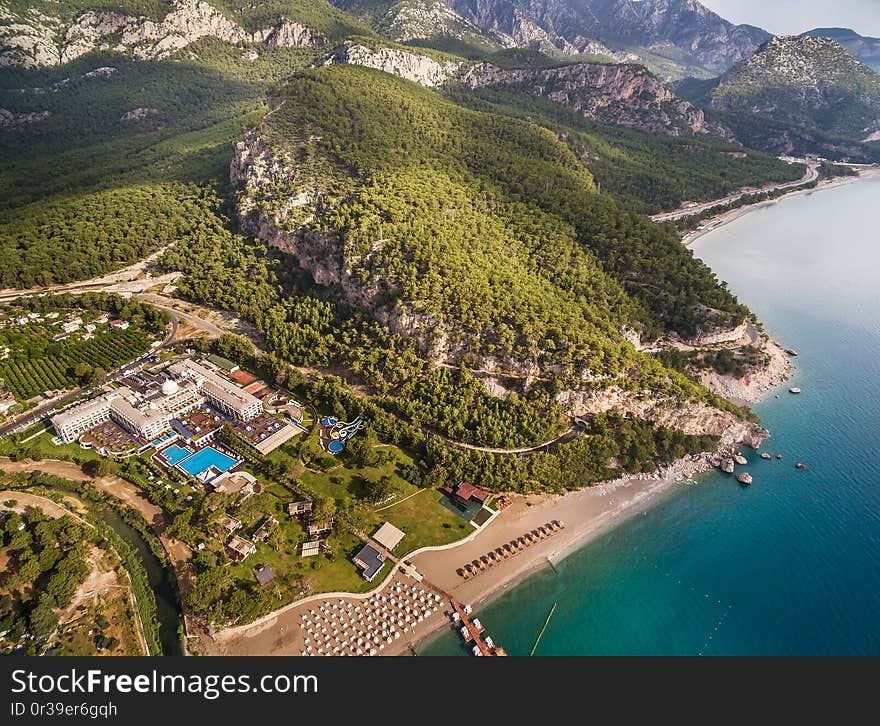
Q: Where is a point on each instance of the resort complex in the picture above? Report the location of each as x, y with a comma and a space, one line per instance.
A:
186, 400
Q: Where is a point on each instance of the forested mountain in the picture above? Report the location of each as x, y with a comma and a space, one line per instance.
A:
471, 231
795, 88
374, 225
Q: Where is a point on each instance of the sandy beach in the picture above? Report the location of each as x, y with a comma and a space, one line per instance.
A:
719, 220
587, 513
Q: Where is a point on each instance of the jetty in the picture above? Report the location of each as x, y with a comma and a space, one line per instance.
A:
472, 630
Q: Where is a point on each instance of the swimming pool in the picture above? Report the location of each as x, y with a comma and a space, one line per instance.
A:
209, 456
175, 454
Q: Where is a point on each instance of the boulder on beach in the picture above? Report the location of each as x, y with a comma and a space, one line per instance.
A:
744, 478
740, 459
727, 466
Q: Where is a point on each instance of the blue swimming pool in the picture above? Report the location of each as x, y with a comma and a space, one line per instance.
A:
209, 456
175, 454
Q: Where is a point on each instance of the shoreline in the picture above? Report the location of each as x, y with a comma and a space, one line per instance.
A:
722, 218
588, 514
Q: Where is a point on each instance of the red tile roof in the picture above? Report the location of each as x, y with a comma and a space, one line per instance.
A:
469, 491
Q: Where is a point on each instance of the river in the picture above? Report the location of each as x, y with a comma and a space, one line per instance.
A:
790, 565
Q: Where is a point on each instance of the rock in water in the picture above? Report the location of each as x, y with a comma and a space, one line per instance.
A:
778, 456
765, 455
740, 459
745, 478
800, 465
727, 466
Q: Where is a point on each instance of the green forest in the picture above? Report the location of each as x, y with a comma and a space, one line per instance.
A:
45, 563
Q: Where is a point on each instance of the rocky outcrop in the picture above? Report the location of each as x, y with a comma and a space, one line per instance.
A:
697, 419
139, 114
751, 387
672, 28
625, 95
44, 41
9, 118
718, 336
413, 66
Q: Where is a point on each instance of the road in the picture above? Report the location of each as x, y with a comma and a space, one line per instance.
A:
811, 175
29, 418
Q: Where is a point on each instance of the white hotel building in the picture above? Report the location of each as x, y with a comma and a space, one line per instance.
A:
224, 394
149, 417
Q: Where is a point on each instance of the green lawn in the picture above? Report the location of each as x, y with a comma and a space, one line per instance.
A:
338, 574
43, 446
425, 521
343, 482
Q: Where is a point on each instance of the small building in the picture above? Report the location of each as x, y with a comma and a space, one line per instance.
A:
264, 574
262, 533
300, 508
230, 524
235, 482
370, 560
464, 493
240, 548
388, 536
320, 529
119, 324
224, 363
310, 549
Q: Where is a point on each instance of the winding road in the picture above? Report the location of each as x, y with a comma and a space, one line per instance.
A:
811, 175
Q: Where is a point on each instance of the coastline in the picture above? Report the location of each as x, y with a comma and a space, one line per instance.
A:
587, 513
726, 217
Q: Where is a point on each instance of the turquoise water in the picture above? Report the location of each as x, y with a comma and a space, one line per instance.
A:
205, 458
175, 454
790, 565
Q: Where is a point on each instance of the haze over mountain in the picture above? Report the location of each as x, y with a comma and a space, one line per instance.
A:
800, 87
867, 50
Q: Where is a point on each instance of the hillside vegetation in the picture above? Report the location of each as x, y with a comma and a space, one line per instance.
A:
487, 226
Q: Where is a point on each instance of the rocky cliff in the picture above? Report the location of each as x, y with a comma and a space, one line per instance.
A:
698, 419
413, 66
625, 95
38, 40
665, 27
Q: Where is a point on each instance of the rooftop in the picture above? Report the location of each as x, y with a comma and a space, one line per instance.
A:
388, 536
371, 560
264, 574
468, 491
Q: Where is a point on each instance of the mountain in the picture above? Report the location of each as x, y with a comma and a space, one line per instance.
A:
806, 84
44, 33
867, 50
476, 234
406, 21
683, 31
622, 94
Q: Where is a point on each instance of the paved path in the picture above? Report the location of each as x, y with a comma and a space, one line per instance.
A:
526, 450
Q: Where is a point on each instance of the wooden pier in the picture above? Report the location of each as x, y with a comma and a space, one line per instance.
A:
474, 632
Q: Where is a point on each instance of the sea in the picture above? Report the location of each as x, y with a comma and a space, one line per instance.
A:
791, 564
